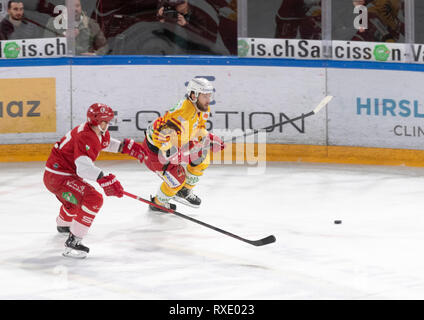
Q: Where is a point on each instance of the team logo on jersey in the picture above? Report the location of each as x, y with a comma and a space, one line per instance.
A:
105, 144
177, 106
79, 189
68, 196
170, 180
87, 147
56, 166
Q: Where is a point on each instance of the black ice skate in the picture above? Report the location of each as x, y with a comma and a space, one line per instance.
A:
166, 205
187, 197
63, 229
74, 248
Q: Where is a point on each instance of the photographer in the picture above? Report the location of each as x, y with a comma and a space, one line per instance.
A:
193, 28
174, 10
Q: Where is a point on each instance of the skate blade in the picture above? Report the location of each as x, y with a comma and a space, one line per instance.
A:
185, 202
74, 254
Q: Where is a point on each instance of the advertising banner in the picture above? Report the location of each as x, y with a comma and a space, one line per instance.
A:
334, 50
35, 104
28, 105
33, 48
245, 98
381, 109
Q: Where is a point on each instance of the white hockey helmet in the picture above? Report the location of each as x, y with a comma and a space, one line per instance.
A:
199, 85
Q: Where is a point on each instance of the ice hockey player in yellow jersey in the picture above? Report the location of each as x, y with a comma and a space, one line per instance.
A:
178, 146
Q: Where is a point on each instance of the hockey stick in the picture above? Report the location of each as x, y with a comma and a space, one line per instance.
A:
321, 105
260, 242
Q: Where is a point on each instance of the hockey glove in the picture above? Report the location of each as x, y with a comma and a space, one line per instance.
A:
111, 186
133, 149
215, 143
173, 155
197, 151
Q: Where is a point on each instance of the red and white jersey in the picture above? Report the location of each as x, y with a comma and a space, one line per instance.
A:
76, 152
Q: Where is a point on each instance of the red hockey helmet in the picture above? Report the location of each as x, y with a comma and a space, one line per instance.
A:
99, 112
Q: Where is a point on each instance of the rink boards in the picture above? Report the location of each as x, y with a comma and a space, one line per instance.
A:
375, 116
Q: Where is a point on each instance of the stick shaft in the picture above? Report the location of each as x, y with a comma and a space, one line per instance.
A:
264, 241
322, 104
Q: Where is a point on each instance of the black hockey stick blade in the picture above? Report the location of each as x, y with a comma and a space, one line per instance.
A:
264, 241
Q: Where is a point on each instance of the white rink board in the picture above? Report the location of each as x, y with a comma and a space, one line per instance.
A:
63, 102
395, 120
139, 93
241, 93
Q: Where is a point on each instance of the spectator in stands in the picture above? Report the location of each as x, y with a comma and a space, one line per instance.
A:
299, 19
227, 10
200, 23
89, 38
15, 25
385, 21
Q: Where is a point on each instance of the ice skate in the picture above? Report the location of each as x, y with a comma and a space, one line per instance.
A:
187, 197
74, 248
166, 205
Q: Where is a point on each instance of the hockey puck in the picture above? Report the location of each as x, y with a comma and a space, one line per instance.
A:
337, 221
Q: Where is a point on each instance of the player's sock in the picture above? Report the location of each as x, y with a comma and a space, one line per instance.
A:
62, 225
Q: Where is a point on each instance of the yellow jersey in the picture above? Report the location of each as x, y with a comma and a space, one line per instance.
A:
181, 124
387, 11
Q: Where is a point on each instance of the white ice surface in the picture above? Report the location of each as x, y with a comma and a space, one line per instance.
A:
376, 253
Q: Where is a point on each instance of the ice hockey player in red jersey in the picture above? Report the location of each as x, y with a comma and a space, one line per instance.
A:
71, 162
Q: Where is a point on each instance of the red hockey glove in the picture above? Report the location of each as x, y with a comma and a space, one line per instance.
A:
196, 147
196, 150
216, 144
173, 155
133, 149
199, 149
111, 186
